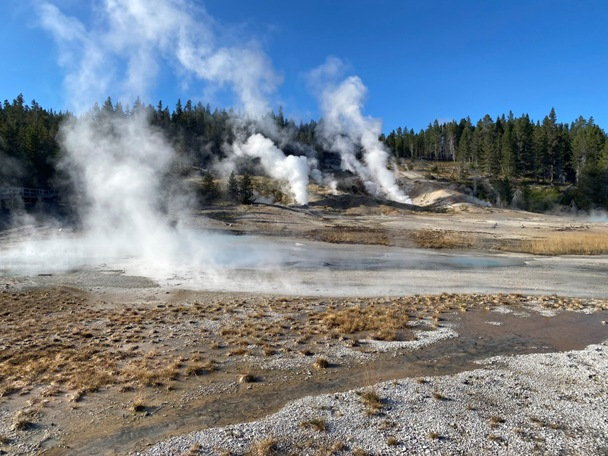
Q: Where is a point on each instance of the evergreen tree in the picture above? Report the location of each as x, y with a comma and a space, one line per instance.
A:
246, 190
209, 188
233, 188
464, 146
507, 154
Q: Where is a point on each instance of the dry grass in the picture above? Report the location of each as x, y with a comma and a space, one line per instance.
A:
383, 321
66, 342
392, 441
548, 424
373, 402
194, 449
138, 405
197, 367
495, 421
352, 235
247, 378
24, 420
570, 243
438, 396
266, 447
317, 424
442, 239
321, 363
337, 447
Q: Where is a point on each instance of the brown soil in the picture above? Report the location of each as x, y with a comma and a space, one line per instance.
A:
363, 220
107, 370
97, 372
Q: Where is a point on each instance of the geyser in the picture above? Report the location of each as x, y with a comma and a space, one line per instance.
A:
345, 129
133, 209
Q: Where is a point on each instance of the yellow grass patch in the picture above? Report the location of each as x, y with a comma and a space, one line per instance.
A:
574, 243
441, 239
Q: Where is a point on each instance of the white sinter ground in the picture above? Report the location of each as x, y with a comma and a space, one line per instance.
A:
512, 405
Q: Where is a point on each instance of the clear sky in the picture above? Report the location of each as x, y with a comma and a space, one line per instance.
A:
420, 60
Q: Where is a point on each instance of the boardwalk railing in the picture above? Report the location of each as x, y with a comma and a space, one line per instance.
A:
11, 193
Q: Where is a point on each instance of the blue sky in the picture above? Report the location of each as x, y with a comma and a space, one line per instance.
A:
419, 60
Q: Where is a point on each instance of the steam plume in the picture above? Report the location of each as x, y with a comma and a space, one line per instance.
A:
293, 169
127, 46
344, 128
119, 164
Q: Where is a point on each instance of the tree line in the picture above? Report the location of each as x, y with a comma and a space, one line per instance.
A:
572, 158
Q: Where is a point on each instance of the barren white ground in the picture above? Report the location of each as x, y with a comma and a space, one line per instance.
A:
530, 404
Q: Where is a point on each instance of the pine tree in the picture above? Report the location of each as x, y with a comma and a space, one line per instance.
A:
233, 188
246, 189
209, 188
507, 154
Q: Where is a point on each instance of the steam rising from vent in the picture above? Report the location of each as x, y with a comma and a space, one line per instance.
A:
344, 129
119, 164
134, 210
139, 34
293, 169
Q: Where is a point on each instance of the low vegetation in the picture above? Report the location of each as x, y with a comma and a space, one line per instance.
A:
495, 421
353, 235
372, 401
265, 447
383, 322
442, 239
321, 363
439, 396
570, 243
65, 342
318, 424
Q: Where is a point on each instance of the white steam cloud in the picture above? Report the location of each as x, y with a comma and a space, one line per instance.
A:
132, 208
345, 129
125, 49
293, 169
130, 205
120, 164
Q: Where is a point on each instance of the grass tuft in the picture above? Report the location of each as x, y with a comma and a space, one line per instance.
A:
321, 363
138, 405
266, 447
392, 441
247, 378
318, 424
373, 402
438, 396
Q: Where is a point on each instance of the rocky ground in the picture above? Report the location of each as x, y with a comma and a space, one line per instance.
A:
368, 341
112, 370
528, 404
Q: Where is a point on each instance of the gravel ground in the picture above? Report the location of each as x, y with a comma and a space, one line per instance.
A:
531, 404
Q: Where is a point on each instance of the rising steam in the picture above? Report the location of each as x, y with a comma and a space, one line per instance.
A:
130, 205
126, 48
119, 165
345, 129
293, 169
